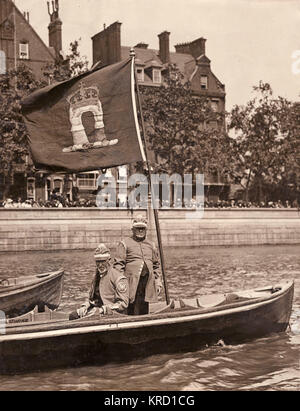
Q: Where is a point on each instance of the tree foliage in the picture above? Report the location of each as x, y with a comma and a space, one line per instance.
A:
71, 66
14, 85
179, 128
265, 141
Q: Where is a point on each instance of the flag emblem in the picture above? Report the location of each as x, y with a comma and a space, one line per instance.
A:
83, 101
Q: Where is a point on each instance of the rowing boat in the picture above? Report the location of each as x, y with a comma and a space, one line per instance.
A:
49, 339
20, 295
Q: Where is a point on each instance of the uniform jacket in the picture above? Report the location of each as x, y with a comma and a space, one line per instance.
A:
131, 255
110, 290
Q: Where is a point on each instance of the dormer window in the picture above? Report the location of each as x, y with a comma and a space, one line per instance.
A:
153, 70
24, 51
156, 76
140, 74
204, 82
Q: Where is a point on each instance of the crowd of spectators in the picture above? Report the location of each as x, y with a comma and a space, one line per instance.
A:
58, 201
52, 203
249, 204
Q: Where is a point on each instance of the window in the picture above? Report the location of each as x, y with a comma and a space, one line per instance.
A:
213, 124
48, 188
2, 62
202, 126
58, 185
87, 181
204, 82
24, 51
122, 172
31, 188
215, 105
140, 74
156, 76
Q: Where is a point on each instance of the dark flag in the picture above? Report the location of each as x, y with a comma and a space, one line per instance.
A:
86, 123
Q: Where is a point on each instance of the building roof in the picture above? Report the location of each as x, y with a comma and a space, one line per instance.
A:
151, 56
185, 62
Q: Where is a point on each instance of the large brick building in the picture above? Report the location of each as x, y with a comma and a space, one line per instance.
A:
151, 66
21, 44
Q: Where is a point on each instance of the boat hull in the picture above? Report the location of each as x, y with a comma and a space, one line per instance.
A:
43, 290
128, 338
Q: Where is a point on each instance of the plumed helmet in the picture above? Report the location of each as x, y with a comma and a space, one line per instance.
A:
139, 221
102, 253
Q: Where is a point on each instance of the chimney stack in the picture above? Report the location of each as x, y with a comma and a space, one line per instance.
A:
164, 46
141, 45
107, 45
196, 48
55, 27
183, 48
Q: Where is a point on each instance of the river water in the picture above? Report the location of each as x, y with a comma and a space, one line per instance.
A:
271, 363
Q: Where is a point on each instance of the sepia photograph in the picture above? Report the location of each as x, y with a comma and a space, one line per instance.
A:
150, 198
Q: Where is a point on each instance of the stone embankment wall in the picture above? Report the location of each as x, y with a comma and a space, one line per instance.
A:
67, 229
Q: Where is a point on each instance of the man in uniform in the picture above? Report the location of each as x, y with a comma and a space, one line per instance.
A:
137, 258
109, 289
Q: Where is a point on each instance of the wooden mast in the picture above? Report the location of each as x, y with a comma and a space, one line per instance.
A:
156, 219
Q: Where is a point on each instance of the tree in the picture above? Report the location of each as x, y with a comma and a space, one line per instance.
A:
292, 175
179, 128
14, 85
264, 142
64, 69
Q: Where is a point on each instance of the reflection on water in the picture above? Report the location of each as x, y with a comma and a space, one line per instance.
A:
271, 363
